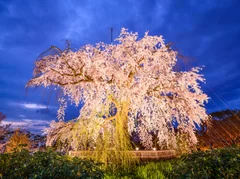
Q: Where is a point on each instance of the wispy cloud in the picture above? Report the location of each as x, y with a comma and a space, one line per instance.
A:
26, 105
29, 124
34, 106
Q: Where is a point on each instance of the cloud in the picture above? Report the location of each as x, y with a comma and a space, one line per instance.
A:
33, 125
28, 115
90, 21
35, 106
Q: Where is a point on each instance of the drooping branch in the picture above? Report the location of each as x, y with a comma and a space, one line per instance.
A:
139, 71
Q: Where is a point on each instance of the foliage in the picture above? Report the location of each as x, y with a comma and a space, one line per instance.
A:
2, 117
4, 129
49, 164
223, 130
157, 170
183, 146
110, 147
153, 170
18, 141
221, 163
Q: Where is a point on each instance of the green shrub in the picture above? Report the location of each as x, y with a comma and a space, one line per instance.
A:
220, 163
47, 165
154, 170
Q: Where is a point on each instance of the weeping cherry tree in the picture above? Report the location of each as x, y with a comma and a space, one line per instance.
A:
135, 78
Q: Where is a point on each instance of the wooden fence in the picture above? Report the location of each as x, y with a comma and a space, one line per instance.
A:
141, 154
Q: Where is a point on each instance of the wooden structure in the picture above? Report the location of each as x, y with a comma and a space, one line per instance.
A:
141, 154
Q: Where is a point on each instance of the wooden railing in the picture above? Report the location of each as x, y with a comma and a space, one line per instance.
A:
141, 154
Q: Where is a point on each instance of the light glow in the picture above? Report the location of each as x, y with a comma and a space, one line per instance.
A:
137, 71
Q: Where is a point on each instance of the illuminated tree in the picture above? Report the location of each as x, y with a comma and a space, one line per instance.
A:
18, 141
223, 130
133, 75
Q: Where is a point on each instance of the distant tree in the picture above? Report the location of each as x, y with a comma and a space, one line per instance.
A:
2, 117
136, 77
4, 129
38, 142
18, 141
222, 130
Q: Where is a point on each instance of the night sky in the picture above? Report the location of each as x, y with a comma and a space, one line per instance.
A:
206, 31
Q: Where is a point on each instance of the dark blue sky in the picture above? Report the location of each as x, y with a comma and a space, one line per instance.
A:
208, 31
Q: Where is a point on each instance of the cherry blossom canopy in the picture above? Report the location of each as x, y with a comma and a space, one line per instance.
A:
138, 71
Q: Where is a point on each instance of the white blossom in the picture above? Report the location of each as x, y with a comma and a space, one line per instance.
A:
140, 71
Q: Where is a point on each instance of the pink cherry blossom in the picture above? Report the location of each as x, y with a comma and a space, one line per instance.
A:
139, 71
